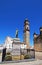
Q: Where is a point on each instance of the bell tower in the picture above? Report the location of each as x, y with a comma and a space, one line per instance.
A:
26, 33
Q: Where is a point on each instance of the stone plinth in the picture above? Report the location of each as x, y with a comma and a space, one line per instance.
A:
38, 55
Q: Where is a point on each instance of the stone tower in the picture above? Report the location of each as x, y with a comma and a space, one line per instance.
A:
40, 30
26, 33
38, 41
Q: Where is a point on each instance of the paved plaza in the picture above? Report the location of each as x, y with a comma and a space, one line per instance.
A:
36, 62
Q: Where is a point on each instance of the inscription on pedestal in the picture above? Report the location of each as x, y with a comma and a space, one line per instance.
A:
16, 52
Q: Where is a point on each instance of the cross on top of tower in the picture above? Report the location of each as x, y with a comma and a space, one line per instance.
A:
26, 19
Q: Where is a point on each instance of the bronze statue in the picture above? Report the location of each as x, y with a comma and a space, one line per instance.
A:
17, 33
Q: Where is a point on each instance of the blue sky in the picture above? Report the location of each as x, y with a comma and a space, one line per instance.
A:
13, 14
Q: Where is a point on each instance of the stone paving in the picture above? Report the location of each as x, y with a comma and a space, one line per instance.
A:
36, 62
